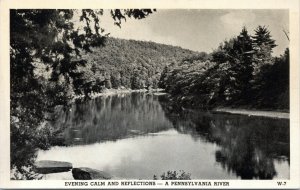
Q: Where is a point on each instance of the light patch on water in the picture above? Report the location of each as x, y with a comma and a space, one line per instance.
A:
144, 156
284, 168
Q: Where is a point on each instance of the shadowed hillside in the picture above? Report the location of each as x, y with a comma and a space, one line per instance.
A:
126, 63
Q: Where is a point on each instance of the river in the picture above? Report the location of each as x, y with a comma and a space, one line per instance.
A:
139, 135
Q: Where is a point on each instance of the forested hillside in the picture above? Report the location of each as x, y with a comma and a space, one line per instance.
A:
241, 72
125, 64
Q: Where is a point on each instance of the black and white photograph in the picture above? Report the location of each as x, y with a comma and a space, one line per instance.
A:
157, 96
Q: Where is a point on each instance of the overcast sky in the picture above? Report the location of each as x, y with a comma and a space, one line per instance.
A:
200, 30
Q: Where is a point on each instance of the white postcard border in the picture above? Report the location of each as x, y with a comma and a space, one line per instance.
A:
291, 5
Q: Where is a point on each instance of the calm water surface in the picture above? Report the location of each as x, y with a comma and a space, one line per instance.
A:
136, 136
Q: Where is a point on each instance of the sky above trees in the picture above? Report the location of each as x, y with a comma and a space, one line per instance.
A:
200, 30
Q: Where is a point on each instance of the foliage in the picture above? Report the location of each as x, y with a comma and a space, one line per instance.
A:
174, 175
126, 64
46, 40
240, 72
263, 45
271, 85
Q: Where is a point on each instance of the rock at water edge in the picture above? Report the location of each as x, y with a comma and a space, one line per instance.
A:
50, 166
89, 173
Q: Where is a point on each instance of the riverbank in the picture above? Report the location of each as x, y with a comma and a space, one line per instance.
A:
109, 92
272, 114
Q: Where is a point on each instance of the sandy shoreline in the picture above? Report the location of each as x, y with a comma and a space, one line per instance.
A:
273, 114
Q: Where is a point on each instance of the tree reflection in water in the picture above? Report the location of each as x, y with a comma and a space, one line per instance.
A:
249, 145
112, 118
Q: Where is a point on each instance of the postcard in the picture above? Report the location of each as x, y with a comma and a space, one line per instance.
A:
197, 94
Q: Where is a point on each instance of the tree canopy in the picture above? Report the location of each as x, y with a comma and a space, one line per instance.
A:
48, 39
240, 72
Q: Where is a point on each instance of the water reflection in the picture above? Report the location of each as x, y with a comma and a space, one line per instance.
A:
139, 135
112, 118
250, 146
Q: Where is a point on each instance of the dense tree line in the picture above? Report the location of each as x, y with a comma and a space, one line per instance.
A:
240, 72
125, 64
